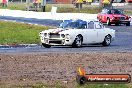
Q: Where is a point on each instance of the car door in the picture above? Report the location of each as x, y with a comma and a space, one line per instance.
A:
100, 32
103, 15
90, 33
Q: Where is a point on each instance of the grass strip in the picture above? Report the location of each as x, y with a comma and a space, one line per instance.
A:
62, 8
19, 33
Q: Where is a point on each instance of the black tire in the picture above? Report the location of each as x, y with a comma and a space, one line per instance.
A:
77, 42
117, 24
81, 80
46, 45
128, 24
107, 40
108, 22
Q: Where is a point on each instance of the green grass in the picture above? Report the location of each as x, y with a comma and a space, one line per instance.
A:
129, 12
19, 33
66, 8
103, 86
62, 8
16, 6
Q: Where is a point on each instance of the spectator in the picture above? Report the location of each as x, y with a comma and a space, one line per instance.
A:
4, 3
0, 1
36, 4
106, 3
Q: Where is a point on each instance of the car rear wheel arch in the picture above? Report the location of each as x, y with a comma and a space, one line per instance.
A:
98, 18
108, 21
108, 18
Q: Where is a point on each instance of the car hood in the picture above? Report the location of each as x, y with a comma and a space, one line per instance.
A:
58, 30
118, 15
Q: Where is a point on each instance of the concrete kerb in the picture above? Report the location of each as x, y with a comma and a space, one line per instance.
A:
25, 14
45, 15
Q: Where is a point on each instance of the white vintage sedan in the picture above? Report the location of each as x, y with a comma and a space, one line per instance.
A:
76, 33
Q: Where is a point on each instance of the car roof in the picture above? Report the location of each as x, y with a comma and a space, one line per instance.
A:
81, 20
111, 9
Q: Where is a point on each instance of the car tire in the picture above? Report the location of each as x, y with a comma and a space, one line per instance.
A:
46, 45
108, 22
107, 40
117, 24
128, 24
81, 80
77, 42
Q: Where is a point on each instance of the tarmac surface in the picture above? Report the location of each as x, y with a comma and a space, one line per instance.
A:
122, 43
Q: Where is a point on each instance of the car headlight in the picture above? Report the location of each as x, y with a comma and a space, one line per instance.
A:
40, 34
45, 34
67, 36
62, 36
116, 18
113, 18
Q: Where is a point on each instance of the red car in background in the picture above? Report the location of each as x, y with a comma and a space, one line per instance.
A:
113, 16
129, 1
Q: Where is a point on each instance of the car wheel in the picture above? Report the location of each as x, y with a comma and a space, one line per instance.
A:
77, 42
107, 40
46, 45
81, 79
108, 22
117, 24
128, 24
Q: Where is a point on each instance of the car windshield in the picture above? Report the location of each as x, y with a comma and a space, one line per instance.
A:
72, 25
63, 24
116, 11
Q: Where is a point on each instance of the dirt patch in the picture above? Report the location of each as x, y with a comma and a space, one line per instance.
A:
49, 67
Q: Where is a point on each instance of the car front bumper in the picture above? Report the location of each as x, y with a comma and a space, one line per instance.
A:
56, 41
120, 21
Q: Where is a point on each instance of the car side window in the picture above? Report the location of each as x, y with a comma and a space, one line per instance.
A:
91, 25
84, 26
104, 11
109, 12
98, 25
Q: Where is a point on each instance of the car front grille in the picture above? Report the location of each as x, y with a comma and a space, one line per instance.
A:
122, 18
53, 35
55, 42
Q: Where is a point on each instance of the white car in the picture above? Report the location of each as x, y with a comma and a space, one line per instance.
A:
76, 33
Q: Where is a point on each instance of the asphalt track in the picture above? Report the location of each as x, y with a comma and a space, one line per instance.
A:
122, 43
